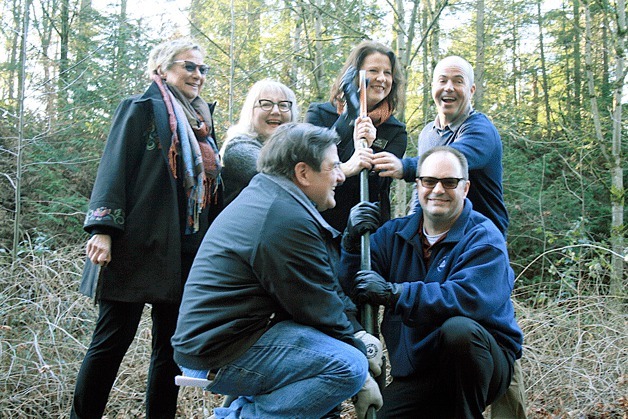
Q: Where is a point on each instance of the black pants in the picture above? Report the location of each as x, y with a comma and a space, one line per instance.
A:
467, 373
115, 330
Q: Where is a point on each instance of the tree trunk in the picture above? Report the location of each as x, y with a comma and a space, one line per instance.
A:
319, 69
514, 59
478, 97
18, 167
548, 121
617, 173
64, 40
232, 28
577, 76
427, 71
13, 55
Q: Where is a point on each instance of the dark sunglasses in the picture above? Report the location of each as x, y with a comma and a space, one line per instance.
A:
447, 182
192, 66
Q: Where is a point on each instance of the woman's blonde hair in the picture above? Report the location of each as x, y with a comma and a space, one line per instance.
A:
245, 123
162, 56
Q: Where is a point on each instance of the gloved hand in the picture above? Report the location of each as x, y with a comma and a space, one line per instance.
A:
369, 395
351, 95
374, 351
364, 217
369, 287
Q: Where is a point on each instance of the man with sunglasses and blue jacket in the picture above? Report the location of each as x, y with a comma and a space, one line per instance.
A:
444, 278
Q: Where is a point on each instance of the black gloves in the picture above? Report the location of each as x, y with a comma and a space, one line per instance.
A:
350, 90
369, 287
363, 218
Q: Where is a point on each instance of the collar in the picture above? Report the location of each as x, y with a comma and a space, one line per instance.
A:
330, 108
413, 229
300, 196
453, 126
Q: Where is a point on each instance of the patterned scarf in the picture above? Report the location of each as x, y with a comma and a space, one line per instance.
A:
379, 115
192, 141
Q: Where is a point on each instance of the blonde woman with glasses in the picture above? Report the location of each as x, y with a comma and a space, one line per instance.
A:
268, 105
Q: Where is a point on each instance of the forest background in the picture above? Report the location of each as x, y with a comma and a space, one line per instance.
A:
551, 76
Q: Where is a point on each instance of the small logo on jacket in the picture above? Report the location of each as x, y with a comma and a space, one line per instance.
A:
442, 265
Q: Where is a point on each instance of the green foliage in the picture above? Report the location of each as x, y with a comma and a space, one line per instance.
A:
556, 173
278, 39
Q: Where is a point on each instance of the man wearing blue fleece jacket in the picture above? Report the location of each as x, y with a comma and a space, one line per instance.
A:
460, 126
444, 278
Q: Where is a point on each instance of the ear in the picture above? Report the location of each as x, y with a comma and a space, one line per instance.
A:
472, 88
302, 174
466, 187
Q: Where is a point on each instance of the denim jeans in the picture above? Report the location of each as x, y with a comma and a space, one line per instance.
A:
292, 371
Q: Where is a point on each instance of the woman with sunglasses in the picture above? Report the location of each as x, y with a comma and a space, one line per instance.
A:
382, 131
157, 190
267, 105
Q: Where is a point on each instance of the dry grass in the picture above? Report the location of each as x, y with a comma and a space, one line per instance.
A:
575, 363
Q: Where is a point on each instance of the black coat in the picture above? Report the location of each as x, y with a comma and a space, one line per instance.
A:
391, 137
142, 206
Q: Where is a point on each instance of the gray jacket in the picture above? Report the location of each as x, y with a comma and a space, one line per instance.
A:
269, 256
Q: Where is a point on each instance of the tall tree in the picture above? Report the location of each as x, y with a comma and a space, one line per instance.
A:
614, 159
618, 192
20, 150
478, 97
577, 71
543, 64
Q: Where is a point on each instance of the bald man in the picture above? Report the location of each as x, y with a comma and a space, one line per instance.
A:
458, 125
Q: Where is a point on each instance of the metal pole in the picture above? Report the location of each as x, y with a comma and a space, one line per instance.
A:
369, 312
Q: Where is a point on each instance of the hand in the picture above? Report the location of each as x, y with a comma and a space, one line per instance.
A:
369, 287
350, 90
368, 396
363, 218
388, 165
374, 351
360, 159
364, 129
98, 249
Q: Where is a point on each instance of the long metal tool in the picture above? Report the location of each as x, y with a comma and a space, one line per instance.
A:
369, 312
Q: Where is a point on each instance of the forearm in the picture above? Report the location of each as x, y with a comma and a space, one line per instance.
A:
409, 168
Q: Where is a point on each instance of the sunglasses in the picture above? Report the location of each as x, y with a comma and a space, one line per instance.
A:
447, 182
267, 105
192, 66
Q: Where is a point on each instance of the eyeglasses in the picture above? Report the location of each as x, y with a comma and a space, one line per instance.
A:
192, 66
447, 182
267, 105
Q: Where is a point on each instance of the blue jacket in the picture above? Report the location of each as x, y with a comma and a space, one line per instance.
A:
478, 139
268, 257
469, 276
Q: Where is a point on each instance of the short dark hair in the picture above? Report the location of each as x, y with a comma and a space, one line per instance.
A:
293, 143
461, 158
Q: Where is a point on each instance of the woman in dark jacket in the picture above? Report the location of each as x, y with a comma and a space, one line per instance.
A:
157, 190
381, 129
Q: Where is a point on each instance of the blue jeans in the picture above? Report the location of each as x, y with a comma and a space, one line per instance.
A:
292, 371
